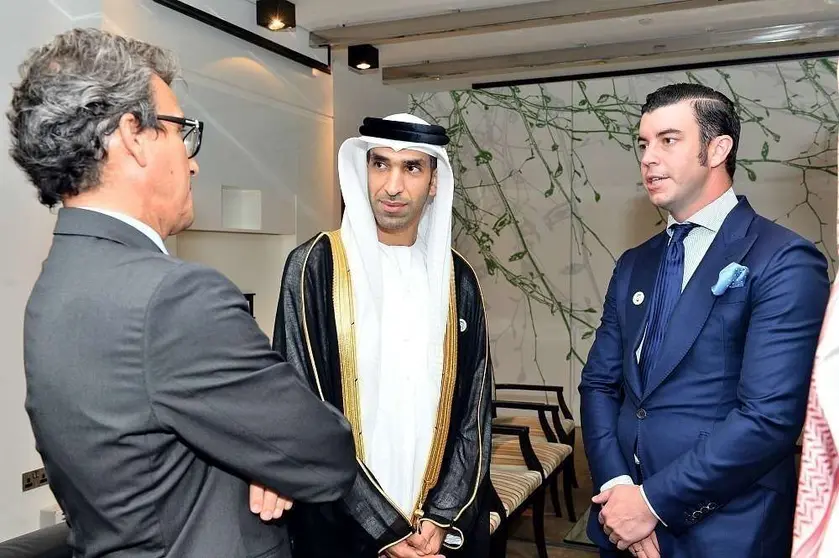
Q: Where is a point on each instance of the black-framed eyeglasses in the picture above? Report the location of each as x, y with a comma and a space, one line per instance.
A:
191, 132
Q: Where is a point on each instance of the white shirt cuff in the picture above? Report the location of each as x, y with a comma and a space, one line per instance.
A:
453, 540
623, 479
644, 496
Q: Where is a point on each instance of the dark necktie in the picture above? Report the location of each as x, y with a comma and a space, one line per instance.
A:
668, 287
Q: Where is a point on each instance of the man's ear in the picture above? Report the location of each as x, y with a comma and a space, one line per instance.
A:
136, 142
719, 149
432, 190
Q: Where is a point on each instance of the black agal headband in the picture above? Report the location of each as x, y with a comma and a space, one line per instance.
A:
404, 131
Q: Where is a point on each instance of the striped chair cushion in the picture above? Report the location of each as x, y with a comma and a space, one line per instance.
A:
513, 485
507, 451
532, 421
494, 522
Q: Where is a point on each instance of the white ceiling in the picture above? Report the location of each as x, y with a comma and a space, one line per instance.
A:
463, 55
332, 13
673, 24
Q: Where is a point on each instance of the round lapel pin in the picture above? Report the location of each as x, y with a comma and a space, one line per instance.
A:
638, 298
462, 324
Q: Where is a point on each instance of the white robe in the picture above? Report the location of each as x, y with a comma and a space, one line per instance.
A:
398, 443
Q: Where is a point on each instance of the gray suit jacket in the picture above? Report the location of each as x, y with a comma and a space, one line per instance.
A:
155, 399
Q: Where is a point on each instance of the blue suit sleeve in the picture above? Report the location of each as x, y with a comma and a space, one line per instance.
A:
601, 390
789, 300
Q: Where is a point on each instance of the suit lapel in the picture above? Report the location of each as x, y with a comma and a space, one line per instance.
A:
731, 244
641, 284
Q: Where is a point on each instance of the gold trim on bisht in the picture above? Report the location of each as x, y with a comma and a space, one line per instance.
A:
444, 407
342, 298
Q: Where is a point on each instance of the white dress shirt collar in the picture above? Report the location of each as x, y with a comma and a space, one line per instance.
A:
139, 225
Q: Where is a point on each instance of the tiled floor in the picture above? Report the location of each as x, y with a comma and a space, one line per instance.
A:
521, 543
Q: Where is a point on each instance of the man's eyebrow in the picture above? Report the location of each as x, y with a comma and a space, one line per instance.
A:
667, 132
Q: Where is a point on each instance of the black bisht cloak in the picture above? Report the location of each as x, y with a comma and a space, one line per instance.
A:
457, 487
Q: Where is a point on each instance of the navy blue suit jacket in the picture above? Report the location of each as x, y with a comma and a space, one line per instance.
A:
716, 426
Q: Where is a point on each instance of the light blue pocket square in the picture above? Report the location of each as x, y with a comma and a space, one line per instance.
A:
732, 276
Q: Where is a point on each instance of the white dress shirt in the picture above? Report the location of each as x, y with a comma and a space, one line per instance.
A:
709, 220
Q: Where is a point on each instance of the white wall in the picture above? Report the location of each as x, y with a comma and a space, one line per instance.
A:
271, 124
268, 127
254, 262
359, 95
26, 232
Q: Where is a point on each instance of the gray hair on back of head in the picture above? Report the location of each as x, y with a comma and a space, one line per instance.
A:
72, 94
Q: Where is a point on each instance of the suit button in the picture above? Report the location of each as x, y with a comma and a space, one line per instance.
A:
641, 414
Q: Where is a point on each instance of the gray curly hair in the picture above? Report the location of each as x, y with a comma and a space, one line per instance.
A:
72, 94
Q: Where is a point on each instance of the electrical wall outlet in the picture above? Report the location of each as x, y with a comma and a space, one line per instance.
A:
34, 479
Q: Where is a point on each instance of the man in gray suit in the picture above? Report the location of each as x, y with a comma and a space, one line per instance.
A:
154, 397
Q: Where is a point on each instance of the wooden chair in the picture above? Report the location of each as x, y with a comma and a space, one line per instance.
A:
545, 431
518, 483
564, 426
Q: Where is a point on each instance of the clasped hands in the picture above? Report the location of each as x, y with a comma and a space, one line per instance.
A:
628, 521
425, 543
625, 517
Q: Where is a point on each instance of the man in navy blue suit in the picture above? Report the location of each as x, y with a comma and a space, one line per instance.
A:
696, 386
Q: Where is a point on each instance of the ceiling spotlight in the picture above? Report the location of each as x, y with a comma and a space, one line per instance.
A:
275, 15
363, 57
